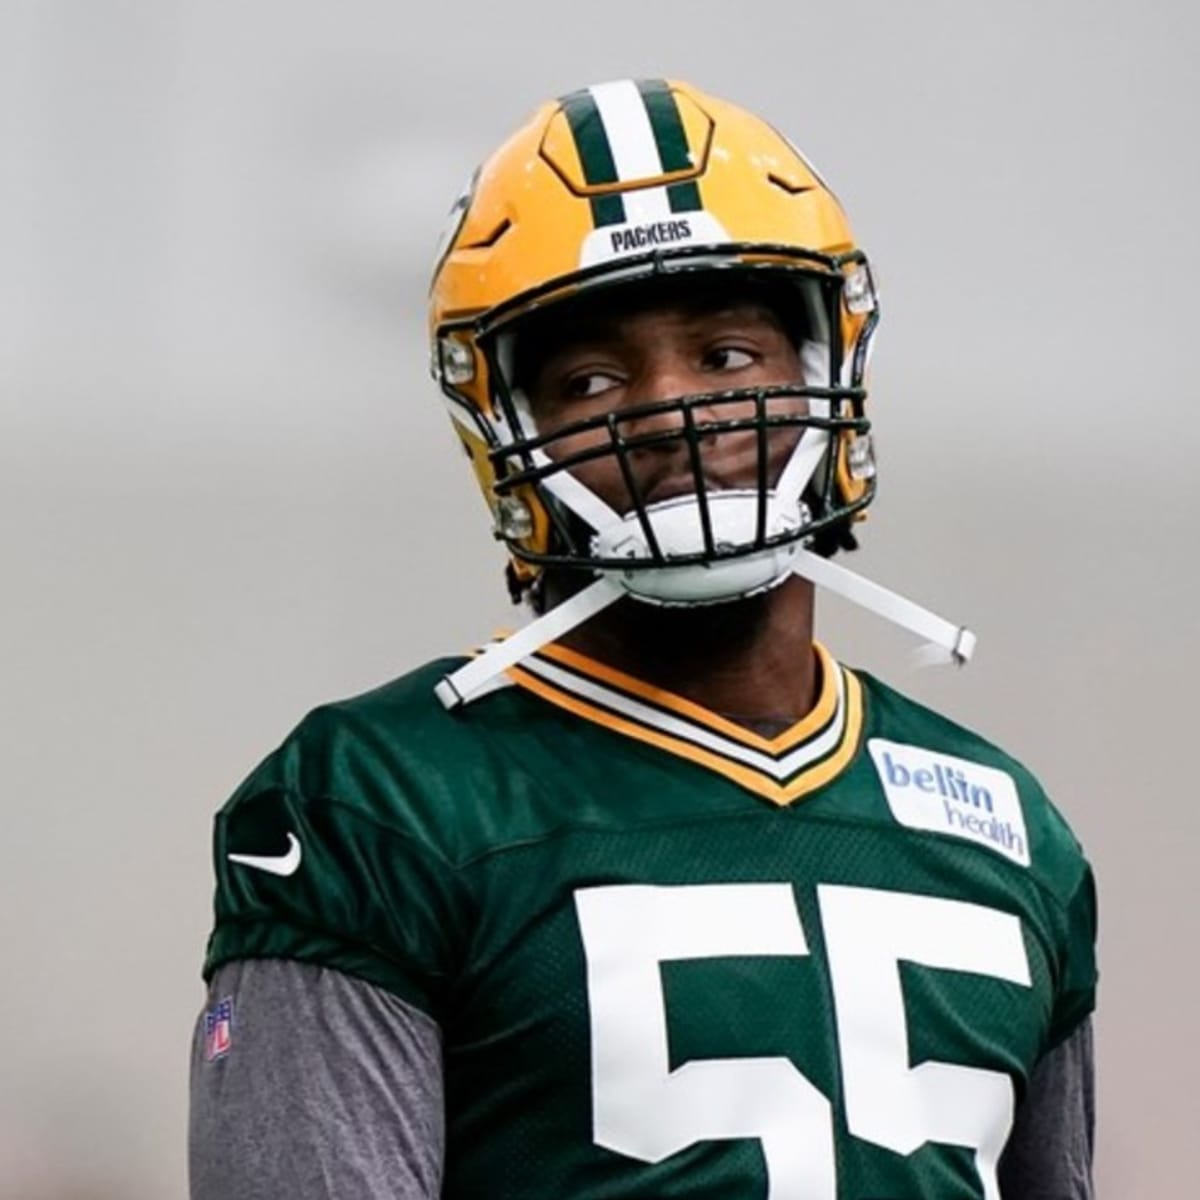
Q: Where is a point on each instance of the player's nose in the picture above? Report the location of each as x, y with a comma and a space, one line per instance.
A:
652, 416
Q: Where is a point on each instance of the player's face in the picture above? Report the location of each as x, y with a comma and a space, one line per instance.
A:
612, 361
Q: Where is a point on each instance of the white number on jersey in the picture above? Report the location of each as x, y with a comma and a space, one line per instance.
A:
646, 1111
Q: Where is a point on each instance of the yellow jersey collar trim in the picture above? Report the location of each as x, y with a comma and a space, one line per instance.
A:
799, 732
781, 769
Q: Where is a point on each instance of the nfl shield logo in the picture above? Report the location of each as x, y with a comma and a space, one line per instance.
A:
218, 1030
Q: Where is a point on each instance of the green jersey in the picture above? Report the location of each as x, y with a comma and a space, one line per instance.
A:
670, 957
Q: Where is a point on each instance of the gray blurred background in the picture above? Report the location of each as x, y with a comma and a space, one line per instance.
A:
228, 491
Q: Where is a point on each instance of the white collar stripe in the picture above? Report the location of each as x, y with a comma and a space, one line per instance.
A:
779, 768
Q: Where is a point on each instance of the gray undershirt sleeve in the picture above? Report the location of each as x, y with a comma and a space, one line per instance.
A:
331, 1087
1049, 1153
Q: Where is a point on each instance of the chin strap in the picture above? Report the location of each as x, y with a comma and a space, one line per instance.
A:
945, 642
473, 678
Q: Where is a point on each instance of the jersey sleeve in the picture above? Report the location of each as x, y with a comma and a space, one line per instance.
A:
320, 857
1076, 993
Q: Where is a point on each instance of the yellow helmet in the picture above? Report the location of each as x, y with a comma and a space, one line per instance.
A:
612, 186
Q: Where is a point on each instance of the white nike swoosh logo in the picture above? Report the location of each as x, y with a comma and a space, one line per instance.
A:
276, 864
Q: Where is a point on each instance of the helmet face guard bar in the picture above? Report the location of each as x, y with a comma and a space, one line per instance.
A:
526, 461
522, 458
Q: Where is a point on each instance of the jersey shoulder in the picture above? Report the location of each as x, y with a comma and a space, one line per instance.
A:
933, 768
395, 757
343, 848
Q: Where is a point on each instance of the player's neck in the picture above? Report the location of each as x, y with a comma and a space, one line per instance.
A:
751, 660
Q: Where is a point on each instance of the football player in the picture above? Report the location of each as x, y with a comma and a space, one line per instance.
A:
654, 897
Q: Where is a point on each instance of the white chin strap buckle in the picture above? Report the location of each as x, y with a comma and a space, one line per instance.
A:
945, 642
463, 685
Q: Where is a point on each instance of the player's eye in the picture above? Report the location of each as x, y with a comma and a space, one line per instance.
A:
728, 358
585, 384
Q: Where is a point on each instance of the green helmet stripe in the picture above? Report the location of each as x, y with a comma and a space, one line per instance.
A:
671, 138
684, 197
595, 154
667, 124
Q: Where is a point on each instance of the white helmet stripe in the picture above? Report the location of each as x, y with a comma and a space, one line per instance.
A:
634, 149
627, 127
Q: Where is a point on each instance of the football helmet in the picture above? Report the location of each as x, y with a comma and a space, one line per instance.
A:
610, 187
619, 186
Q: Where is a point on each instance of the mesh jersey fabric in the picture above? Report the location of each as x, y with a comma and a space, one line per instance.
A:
449, 859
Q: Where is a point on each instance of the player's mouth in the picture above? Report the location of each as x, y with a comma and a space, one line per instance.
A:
683, 483
728, 463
